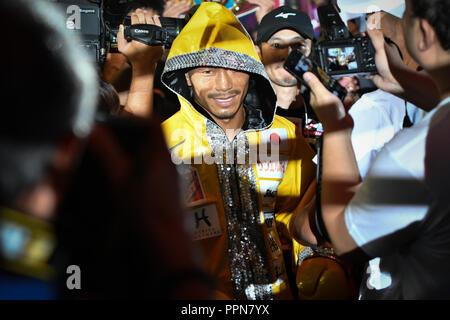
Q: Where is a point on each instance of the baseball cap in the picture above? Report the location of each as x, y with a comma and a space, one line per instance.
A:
394, 7
284, 18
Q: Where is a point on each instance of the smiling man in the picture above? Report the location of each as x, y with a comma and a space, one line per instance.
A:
240, 200
241, 205
221, 93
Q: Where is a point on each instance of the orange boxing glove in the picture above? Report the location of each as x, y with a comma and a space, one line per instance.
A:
322, 278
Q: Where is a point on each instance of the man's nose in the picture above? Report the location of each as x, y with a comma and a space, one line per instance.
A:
224, 80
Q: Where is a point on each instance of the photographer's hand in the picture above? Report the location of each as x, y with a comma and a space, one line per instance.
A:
141, 56
265, 6
176, 9
396, 78
328, 108
340, 173
143, 59
385, 80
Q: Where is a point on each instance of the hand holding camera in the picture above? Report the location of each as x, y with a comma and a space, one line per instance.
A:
386, 54
328, 107
395, 77
152, 33
298, 64
340, 53
140, 55
143, 59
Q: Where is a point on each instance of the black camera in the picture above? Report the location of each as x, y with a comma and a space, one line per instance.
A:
297, 64
158, 36
97, 22
154, 35
85, 18
340, 53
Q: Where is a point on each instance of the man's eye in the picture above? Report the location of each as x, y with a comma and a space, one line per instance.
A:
276, 45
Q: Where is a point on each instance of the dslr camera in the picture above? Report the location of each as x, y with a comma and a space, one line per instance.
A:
340, 53
97, 22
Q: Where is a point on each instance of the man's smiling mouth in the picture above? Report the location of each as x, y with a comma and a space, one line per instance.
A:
225, 102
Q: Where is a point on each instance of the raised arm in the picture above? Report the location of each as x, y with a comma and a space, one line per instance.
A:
340, 174
176, 9
143, 60
396, 78
264, 7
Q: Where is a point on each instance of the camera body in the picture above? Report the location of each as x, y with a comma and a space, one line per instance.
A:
297, 64
85, 18
154, 35
340, 53
97, 22
354, 56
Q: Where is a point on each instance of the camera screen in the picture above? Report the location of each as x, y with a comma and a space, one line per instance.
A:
304, 64
341, 59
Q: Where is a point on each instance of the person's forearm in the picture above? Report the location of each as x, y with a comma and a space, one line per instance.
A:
340, 174
140, 97
340, 179
305, 231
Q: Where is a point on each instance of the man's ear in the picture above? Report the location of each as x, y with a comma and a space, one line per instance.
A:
188, 79
427, 35
258, 51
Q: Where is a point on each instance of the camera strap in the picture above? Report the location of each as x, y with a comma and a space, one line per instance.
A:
148, 34
319, 223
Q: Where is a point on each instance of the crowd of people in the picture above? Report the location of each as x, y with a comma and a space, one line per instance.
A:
207, 171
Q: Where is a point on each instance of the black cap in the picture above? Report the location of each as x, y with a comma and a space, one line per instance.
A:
284, 18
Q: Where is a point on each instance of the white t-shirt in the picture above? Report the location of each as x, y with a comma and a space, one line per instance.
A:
377, 117
401, 213
415, 114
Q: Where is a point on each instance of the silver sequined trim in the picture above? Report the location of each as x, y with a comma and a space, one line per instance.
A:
215, 57
309, 252
305, 253
247, 252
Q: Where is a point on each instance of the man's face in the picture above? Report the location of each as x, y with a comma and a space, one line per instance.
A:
221, 92
411, 29
275, 51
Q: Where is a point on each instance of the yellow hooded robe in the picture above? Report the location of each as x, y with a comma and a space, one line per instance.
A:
241, 195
